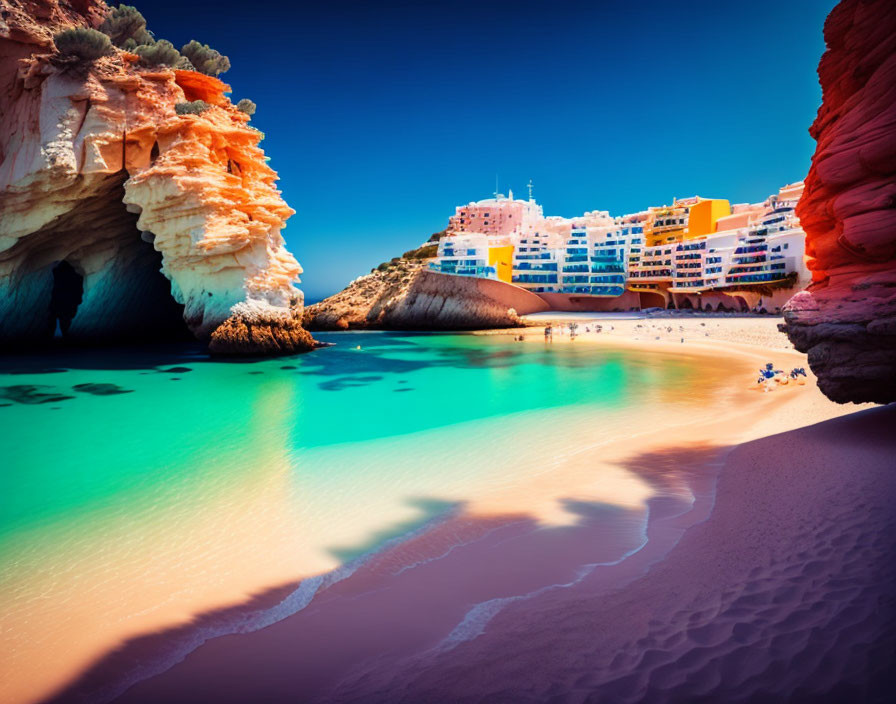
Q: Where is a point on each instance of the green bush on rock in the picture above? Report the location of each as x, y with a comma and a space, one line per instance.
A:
427, 251
196, 107
82, 43
160, 53
205, 59
125, 23
247, 106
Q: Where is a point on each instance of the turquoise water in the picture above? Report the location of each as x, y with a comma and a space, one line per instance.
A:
151, 427
141, 486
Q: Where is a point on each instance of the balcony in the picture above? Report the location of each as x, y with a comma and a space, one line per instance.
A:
529, 266
483, 272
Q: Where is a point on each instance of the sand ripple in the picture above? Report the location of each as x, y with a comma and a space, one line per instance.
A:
785, 594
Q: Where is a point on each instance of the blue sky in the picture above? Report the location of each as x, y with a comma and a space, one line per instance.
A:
380, 117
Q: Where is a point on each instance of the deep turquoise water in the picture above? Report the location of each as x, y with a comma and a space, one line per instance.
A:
141, 426
147, 483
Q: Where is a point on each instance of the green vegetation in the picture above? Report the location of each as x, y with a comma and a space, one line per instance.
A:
126, 27
436, 236
82, 43
196, 107
247, 106
205, 59
160, 53
427, 251
144, 39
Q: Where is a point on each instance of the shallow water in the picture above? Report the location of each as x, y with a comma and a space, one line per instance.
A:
141, 488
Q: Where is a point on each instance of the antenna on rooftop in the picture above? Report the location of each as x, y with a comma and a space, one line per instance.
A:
530, 186
496, 186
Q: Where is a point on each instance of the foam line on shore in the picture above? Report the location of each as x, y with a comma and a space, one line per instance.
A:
242, 623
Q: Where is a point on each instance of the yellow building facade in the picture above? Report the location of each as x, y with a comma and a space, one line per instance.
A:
705, 214
502, 259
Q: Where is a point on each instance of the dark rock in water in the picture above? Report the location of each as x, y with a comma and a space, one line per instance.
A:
176, 370
288, 366
256, 372
30, 394
246, 336
45, 370
348, 382
101, 389
406, 388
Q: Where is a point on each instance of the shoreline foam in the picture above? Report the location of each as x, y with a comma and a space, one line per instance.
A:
289, 636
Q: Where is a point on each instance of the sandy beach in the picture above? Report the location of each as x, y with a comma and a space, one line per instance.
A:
785, 593
774, 564
759, 331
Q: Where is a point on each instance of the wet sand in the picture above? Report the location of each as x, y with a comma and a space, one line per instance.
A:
785, 593
720, 600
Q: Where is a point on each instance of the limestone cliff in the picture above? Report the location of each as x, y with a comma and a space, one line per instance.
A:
408, 296
846, 320
104, 182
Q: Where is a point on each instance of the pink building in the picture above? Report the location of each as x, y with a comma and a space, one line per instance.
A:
496, 216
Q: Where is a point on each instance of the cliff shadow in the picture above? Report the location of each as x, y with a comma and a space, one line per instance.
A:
408, 573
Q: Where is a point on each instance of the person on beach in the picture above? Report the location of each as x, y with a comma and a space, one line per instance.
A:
548, 334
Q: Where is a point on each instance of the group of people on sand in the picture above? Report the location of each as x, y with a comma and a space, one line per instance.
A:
769, 377
563, 328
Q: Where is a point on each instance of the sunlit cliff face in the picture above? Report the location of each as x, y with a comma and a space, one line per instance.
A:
846, 321
123, 219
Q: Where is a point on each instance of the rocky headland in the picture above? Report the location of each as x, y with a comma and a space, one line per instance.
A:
136, 202
846, 320
404, 295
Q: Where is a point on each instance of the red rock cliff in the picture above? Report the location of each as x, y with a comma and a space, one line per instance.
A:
846, 320
100, 175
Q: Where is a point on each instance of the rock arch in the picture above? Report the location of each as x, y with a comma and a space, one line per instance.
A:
113, 168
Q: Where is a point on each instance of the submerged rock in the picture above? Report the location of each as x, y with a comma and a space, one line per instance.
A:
104, 184
846, 320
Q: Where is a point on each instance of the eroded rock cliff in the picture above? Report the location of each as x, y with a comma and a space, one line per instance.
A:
408, 296
846, 320
103, 184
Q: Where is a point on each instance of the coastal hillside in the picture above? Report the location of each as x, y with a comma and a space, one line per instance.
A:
846, 320
136, 201
404, 294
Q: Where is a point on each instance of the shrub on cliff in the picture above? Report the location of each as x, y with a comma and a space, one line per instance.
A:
196, 107
427, 251
142, 39
246, 106
82, 43
160, 53
205, 59
122, 23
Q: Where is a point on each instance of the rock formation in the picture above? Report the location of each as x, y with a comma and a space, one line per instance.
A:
408, 296
103, 184
846, 320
